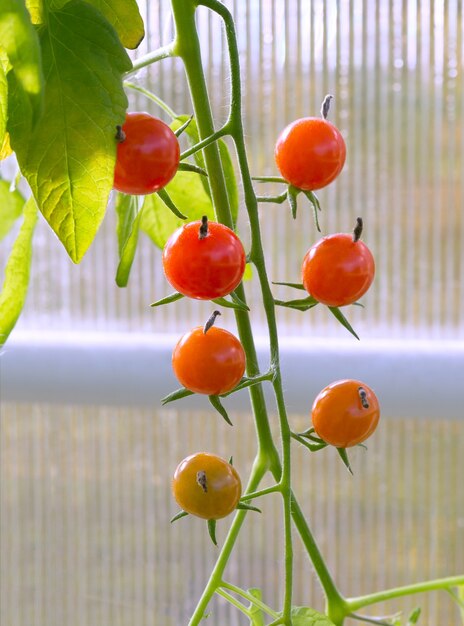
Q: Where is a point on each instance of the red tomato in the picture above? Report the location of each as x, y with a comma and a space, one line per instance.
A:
310, 153
204, 267
345, 413
147, 156
211, 363
338, 270
206, 486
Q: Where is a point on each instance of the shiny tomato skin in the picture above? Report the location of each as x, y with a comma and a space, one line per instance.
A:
337, 270
310, 153
339, 416
206, 268
207, 486
148, 158
210, 363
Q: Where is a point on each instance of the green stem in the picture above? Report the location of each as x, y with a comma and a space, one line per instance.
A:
152, 57
353, 604
204, 143
261, 492
151, 96
238, 605
248, 596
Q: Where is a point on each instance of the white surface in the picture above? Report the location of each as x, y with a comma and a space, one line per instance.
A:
413, 379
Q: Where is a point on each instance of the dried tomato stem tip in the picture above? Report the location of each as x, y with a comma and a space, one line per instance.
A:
201, 480
357, 231
363, 395
120, 134
203, 230
210, 321
326, 106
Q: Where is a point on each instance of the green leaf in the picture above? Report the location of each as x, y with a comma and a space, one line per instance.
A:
292, 194
414, 616
168, 299
248, 507
129, 214
313, 447
11, 207
316, 207
187, 193
69, 158
460, 593
216, 403
342, 319
124, 15
300, 305
305, 616
176, 395
16, 280
3, 97
344, 457
256, 614
212, 530
294, 285
236, 303
20, 42
247, 382
166, 198
179, 515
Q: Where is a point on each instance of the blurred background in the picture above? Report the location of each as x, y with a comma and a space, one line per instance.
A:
87, 453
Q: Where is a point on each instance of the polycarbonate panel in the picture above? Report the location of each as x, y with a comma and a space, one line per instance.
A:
86, 504
395, 69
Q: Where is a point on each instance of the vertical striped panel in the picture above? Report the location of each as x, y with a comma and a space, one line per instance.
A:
395, 69
85, 509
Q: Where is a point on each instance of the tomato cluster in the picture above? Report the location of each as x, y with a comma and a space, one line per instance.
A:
206, 260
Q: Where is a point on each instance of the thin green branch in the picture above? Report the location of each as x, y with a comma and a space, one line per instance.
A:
360, 602
261, 492
152, 57
204, 143
151, 96
251, 598
275, 199
233, 601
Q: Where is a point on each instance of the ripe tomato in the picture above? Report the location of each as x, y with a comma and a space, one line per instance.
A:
204, 267
147, 155
345, 413
210, 363
206, 486
337, 270
310, 153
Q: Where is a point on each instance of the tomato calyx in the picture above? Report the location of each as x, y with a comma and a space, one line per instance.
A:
210, 321
120, 134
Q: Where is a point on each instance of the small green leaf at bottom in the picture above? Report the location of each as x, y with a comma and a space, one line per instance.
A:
179, 515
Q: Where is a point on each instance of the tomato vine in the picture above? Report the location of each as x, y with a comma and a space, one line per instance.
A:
35, 122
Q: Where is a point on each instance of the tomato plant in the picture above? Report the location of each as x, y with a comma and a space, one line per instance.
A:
345, 413
204, 260
207, 486
310, 153
211, 362
147, 155
338, 269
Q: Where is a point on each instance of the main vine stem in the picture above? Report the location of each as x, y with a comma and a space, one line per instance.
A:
187, 47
